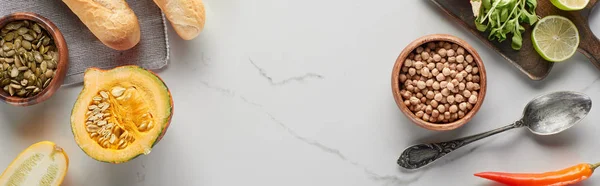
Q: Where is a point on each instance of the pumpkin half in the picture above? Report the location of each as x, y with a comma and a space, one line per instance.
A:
43, 163
121, 113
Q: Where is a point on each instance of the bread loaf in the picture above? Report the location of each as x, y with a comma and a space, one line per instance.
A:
186, 16
111, 21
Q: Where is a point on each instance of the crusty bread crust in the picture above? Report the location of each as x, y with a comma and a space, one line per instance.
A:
111, 21
186, 16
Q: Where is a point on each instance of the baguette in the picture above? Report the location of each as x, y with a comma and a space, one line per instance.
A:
111, 21
186, 16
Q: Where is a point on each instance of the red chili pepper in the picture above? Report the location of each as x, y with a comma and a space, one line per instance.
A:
566, 176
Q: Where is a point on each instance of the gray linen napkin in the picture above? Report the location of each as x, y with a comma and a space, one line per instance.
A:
85, 50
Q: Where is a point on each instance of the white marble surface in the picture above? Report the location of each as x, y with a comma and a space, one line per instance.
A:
298, 93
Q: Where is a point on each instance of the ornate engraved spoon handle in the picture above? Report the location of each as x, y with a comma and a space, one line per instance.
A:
417, 156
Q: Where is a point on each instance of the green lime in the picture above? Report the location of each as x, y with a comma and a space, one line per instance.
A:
570, 5
555, 38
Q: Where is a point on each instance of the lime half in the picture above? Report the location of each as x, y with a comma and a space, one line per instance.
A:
570, 5
555, 38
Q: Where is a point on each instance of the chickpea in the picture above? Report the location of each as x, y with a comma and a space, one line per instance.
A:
460, 51
439, 77
459, 77
442, 52
453, 109
452, 59
473, 99
427, 50
444, 101
469, 77
423, 99
425, 55
407, 102
434, 103
446, 71
404, 69
410, 87
403, 77
469, 106
455, 82
475, 70
419, 114
431, 65
437, 58
412, 71
450, 99
435, 71
443, 84
414, 100
439, 66
453, 73
461, 114
441, 108
476, 86
462, 106
441, 117
440, 44
460, 58
431, 45
411, 56
469, 68
455, 47
438, 97
421, 78
454, 117
476, 79
418, 57
447, 46
447, 115
470, 85
419, 95
467, 93
432, 119
419, 50
426, 117
408, 82
450, 53
435, 113
445, 92
459, 98
450, 86
408, 63
429, 94
460, 67
435, 86
425, 72
429, 82
418, 65
469, 58
428, 109
474, 93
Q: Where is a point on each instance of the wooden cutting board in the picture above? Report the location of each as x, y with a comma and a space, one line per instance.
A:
527, 59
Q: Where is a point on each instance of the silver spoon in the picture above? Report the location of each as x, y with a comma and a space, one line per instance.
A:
545, 115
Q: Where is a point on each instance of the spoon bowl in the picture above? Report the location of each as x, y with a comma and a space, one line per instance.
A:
556, 112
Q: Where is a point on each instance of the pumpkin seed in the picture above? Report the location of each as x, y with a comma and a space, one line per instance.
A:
26, 44
36, 28
9, 60
10, 53
47, 82
7, 46
9, 37
38, 57
14, 72
22, 30
28, 37
49, 73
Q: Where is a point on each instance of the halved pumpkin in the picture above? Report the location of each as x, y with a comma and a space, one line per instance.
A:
121, 113
43, 163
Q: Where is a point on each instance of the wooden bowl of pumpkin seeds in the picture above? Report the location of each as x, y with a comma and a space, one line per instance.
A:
33, 58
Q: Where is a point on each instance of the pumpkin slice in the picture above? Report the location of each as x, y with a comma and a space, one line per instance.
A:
43, 163
121, 113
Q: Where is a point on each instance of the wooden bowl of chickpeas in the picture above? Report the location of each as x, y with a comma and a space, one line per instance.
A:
439, 82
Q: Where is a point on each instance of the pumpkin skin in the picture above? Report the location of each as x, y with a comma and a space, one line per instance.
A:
145, 93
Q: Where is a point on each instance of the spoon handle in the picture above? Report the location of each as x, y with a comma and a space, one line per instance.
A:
417, 156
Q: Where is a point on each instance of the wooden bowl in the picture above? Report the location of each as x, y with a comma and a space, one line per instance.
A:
62, 63
396, 84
